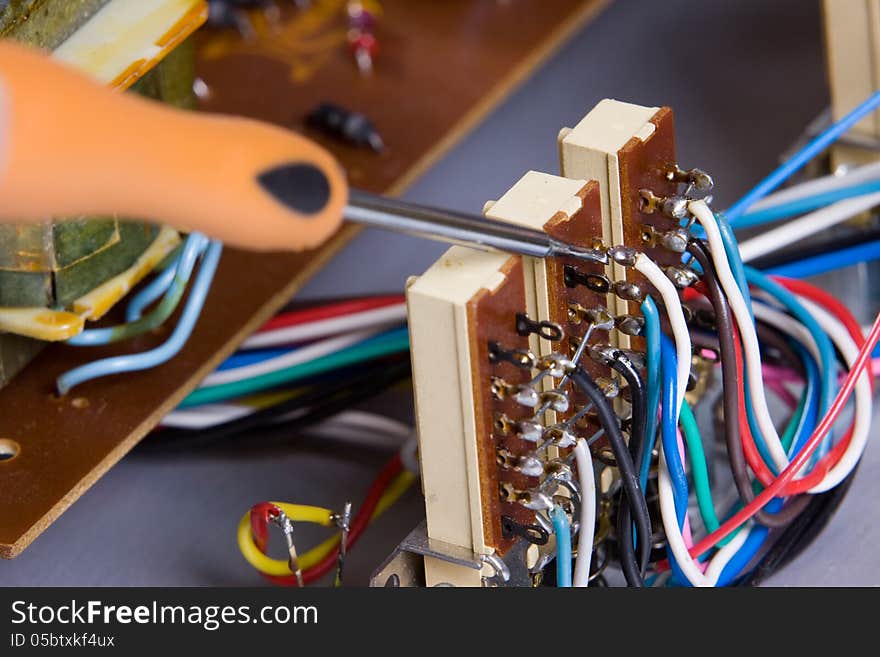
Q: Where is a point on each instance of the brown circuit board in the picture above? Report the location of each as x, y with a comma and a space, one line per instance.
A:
467, 54
492, 319
583, 228
646, 165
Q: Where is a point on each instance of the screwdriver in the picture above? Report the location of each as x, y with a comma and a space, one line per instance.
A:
71, 147
459, 228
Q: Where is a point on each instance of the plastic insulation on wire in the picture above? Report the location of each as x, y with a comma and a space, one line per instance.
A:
652, 353
802, 458
380, 346
806, 204
160, 283
824, 263
326, 311
815, 186
621, 364
680, 332
631, 490
803, 227
312, 352
348, 387
803, 156
359, 523
168, 349
562, 530
587, 521
373, 318
186, 261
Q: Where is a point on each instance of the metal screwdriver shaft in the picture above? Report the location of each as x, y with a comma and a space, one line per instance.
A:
459, 228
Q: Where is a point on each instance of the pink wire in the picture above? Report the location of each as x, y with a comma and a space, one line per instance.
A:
784, 394
777, 373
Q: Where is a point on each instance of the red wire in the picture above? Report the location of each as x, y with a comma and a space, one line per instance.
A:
829, 303
359, 524
776, 488
329, 311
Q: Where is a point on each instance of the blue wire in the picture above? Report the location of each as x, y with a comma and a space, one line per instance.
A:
251, 357
810, 416
160, 284
668, 429
562, 529
165, 351
826, 262
652, 352
180, 273
799, 159
827, 356
805, 204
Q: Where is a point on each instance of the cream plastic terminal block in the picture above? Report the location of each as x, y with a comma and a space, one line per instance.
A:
591, 150
444, 350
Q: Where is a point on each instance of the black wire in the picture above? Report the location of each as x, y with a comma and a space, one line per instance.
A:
801, 533
352, 387
802, 252
635, 499
639, 427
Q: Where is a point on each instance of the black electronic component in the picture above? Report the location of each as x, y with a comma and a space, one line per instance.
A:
345, 125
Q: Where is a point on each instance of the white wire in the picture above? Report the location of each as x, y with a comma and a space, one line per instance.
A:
863, 398
207, 415
676, 540
298, 357
363, 428
672, 303
374, 318
587, 522
807, 225
751, 348
821, 185
847, 347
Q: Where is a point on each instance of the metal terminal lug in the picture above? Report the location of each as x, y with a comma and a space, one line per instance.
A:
623, 255
559, 471
603, 353
504, 425
675, 240
681, 277
608, 387
559, 436
534, 500
529, 430
497, 564
548, 330
573, 277
520, 393
630, 324
598, 317
674, 207
696, 179
534, 534
522, 358
555, 365
527, 396
531, 466
628, 291
556, 399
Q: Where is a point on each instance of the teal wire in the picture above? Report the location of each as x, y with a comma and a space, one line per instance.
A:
379, 346
562, 530
652, 353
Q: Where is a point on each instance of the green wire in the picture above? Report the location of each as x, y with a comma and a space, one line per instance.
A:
699, 468
378, 347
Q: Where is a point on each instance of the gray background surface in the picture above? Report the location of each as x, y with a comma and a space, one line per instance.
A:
743, 77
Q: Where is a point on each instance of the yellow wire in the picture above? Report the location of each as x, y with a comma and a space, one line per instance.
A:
301, 513
261, 400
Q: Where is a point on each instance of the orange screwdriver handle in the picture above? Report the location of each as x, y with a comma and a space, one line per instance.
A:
71, 147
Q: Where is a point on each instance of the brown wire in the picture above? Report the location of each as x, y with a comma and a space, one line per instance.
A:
730, 385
